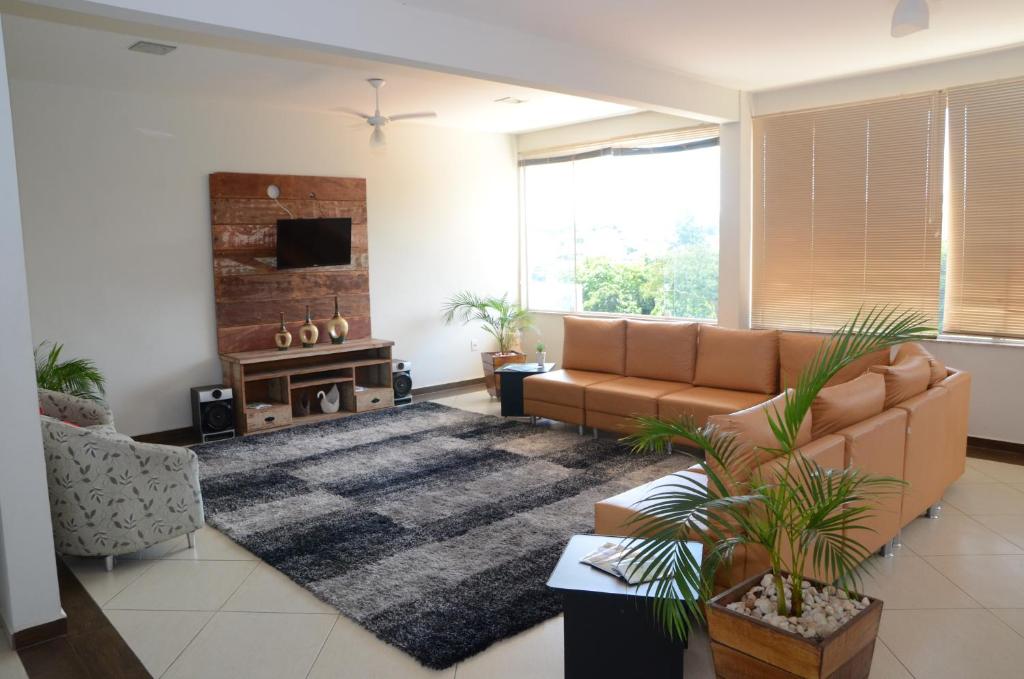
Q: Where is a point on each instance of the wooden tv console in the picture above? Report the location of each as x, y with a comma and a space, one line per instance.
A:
360, 368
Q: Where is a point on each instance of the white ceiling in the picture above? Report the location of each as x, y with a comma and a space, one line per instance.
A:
755, 44
89, 57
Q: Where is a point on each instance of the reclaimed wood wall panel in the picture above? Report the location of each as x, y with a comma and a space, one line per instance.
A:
250, 292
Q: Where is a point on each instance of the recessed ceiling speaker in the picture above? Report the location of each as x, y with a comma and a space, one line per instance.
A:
147, 47
213, 412
401, 381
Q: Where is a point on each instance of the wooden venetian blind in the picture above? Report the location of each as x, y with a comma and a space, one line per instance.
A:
985, 260
847, 211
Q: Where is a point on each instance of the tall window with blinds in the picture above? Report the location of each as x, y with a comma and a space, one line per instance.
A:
984, 292
847, 211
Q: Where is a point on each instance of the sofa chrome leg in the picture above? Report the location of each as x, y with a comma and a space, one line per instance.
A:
898, 540
108, 563
533, 420
668, 448
580, 429
934, 511
887, 550
191, 540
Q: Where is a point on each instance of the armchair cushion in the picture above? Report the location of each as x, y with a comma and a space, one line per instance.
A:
80, 411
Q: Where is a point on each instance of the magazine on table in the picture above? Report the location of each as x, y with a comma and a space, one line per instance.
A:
612, 558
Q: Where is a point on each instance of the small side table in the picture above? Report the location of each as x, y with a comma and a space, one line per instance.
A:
512, 376
610, 629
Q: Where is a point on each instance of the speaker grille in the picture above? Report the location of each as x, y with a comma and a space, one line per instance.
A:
216, 417
402, 383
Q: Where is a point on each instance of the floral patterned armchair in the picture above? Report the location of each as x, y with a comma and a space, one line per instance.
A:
110, 495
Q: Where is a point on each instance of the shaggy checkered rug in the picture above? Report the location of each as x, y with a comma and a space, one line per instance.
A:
435, 528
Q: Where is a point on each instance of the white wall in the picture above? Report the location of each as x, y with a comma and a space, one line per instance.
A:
28, 573
117, 230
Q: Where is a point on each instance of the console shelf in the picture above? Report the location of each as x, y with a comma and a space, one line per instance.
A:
361, 369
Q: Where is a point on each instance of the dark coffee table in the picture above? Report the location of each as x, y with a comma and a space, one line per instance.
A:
512, 376
610, 629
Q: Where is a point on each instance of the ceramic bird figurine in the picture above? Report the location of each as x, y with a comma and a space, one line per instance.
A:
331, 401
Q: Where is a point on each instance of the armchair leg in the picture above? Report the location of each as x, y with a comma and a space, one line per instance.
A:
191, 540
108, 563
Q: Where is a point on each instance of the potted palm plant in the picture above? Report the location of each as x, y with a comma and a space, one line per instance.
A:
780, 623
500, 318
77, 376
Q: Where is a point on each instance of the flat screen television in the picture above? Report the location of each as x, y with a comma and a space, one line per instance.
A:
303, 243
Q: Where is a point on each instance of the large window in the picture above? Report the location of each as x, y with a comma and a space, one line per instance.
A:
849, 210
628, 228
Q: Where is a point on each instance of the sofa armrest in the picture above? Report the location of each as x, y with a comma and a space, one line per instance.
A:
828, 451
79, 411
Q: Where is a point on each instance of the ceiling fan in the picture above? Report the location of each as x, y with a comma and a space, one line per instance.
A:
377, 121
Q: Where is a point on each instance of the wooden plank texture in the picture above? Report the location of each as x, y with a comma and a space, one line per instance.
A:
250, 292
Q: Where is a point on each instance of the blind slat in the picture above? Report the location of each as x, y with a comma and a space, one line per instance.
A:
847, 211
985, 263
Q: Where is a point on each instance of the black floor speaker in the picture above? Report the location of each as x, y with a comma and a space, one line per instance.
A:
401, 380
213, 412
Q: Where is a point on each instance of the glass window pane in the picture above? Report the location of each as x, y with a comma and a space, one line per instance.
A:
548, 212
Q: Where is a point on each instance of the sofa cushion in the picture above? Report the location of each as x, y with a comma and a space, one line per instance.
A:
797, 349
594, 344
752, 428
629, 395
661, 350
842, 405
703, 402
911, 349
743, 360
905, 379
562, 387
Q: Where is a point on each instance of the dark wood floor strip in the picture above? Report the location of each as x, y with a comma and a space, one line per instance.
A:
92, 649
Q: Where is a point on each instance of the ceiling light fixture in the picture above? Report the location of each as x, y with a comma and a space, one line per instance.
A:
156, 48
910, 16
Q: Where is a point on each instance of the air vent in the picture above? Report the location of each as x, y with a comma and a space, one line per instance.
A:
510, 100
147, 47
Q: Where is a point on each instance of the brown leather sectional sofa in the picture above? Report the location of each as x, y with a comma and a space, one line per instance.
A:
903, 415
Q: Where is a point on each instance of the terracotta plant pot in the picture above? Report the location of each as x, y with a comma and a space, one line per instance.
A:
493, 360
744, 646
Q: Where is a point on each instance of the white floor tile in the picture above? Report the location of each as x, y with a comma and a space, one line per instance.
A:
884, 665
157, 637
101, 585
994, 581
10, 664
991, 498
211, 545
952, 644
909, 582
351, 652
955, 534
1010, 526
254, 646
1005, 472
183, 586
535, 653
268, 590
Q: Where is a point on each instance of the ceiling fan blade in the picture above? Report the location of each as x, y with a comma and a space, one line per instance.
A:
351, 112
408, 116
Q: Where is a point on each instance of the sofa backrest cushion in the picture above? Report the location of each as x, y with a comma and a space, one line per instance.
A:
841, 405
595, 344
797, 349
754, 435
745, 360
904, 379
911, 349
661, 350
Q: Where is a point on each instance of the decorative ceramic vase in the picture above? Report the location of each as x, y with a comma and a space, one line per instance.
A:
283, 338
542, 358
337, 327
331, 401
308, 333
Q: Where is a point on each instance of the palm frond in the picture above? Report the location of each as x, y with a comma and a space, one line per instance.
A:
78, 376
